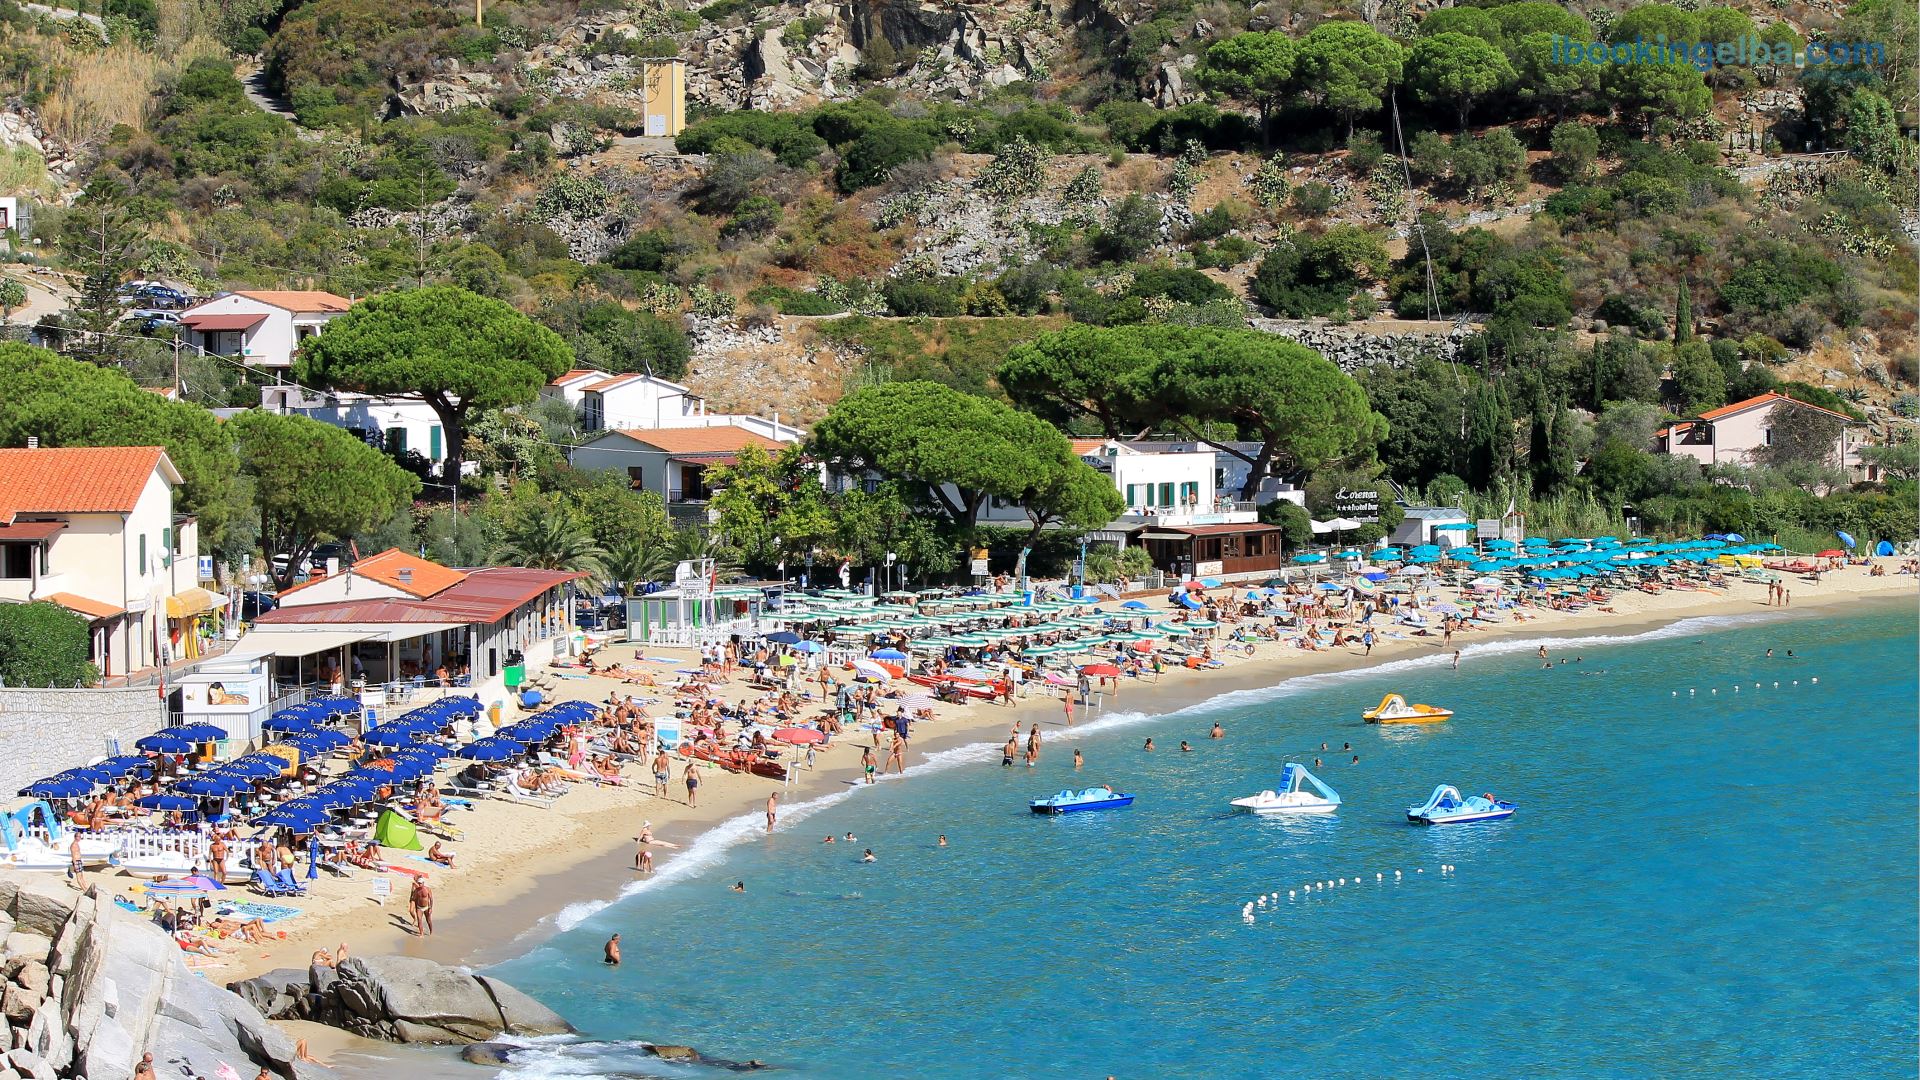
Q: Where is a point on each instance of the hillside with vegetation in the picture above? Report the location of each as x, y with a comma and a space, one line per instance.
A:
1533, 265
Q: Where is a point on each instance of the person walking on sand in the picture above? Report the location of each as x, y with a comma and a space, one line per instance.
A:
866, 762
611, 955
897, 755
662, 772
420, 903
773, 803
692, 777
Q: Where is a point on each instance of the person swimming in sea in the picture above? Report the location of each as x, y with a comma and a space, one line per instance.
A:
1149, 745
869, 856
828, 840
740, 886
611, 956
1184, 748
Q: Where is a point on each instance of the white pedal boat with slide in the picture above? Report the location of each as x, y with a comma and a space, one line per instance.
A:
1299, 792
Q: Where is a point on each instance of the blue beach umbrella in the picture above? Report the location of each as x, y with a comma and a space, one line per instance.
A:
1214, 583
393, 734
255, 766
1134, 605
165, 803
491, 749
126, 765
888, 654
317, 742
57, 787
299, 819
196, 732
1847, 539
288, 722
213, 786
1310, 557
784, 637
162, 743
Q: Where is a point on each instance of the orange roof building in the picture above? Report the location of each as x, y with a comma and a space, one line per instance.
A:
392, 574
93, 529
262, 327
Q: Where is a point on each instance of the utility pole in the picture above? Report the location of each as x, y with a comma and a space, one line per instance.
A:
176, 365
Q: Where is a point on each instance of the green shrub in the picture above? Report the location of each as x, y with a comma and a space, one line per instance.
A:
875, 154
43, 644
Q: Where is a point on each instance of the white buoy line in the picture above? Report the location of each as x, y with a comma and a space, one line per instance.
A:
1249, 910
1694, 691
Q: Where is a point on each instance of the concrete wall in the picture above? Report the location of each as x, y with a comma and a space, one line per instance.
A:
45, 731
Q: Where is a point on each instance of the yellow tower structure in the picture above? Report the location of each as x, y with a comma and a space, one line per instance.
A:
663, 96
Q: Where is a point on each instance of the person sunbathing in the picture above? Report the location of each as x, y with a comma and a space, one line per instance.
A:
252, 931
439, 854
607, 771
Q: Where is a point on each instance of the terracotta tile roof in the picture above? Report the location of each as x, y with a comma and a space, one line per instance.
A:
296, 300
92, 609
481, 597
609, 383
1083, 447
1754, 402
702, 440
77, 479
423, 578
575, 375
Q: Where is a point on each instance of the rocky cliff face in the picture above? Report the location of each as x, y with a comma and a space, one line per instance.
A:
90, 988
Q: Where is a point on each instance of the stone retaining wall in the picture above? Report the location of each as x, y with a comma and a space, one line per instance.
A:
45, 731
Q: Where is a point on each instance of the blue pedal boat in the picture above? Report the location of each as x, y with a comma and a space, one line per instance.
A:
1070, 802
1446, 807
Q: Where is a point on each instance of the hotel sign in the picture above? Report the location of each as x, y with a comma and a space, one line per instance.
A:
1361, 506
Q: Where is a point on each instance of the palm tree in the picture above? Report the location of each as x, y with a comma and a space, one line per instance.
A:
551, 542
693, 542
636, 559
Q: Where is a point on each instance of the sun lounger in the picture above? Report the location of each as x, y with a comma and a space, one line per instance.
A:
282, 884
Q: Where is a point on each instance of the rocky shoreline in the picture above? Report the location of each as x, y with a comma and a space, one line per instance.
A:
87, 988
90, 988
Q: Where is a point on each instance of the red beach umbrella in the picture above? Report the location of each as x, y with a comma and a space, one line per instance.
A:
800, 736
1101, 670
1194, 586
1143, 646
1831, 553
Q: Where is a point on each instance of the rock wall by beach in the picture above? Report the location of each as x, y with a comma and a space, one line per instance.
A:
89, 988
1354, 347
47, 730
401, 999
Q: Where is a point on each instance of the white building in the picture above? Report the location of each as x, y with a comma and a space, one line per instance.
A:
398, 423
672, 463
263, 328
644, 402
93, 529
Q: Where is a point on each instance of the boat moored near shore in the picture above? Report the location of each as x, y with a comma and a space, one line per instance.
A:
1446, 806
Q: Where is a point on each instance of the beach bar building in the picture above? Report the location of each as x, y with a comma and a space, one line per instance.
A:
389, 622
1224, 545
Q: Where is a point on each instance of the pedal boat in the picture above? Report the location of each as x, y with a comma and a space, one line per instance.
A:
1072, 802
1447, 807
1300, 792
1393, 709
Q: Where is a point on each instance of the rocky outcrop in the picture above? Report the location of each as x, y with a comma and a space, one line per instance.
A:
401, 999
90, 988
1364, 345
448, 89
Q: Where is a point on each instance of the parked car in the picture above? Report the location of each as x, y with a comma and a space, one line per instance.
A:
153, 294
254, 604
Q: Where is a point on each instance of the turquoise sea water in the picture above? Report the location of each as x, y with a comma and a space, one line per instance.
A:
1697, 884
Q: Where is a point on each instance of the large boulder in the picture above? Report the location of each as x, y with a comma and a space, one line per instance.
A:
435, 1004
41, 906
276, 994
488, 1053
522, 1015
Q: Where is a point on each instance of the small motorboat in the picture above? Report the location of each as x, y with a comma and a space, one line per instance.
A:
1448, 807
1300, 792
1070, 802
1393, 709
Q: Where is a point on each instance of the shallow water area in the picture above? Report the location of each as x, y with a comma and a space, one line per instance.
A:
1701, 881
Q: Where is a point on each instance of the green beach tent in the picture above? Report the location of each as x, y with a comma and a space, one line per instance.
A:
395, 831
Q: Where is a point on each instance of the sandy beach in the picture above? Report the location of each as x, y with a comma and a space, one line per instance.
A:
520, 866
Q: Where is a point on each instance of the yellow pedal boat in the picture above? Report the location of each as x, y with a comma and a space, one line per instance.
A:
1393, 709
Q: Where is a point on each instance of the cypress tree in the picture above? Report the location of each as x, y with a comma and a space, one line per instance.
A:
1683, 315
